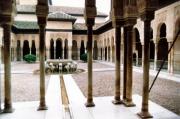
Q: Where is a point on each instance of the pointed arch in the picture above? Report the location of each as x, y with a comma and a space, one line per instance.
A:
162, 45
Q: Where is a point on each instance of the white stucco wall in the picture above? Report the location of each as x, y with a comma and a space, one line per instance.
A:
80, 19
58, 25
26, 17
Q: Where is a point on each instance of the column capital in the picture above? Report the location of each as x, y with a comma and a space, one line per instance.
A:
117, 12
7, 11
130, 12
42, 13
146, 9
90, 12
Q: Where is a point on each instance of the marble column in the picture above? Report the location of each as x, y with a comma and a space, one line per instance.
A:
90, 102
125, 65
145, 94
69, 52
170, 59
128, 102
78, 53
7, 68
54, 49
62, 50
155, 55
0, 70
142, 55
117, 97
42, 51
48, 52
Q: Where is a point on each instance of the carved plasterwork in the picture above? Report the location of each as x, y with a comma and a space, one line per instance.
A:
161, 17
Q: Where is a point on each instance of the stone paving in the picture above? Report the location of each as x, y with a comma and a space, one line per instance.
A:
104, 108
25, 84
165, 92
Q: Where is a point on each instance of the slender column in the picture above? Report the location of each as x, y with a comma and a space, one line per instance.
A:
117, 97
62, 50
7, 68
48, 52
169, 58
42, 105
142, 55
0, 75
129, 69
155, 56
70, 52
111, 54
125, 65
90, 102
145, 95
55, 49
78, 53
172, 61
21, 49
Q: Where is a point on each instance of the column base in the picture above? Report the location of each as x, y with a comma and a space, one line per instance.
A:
117, 102
89, 104
144, 115
128, 103
42, 107
1, 111
7, 110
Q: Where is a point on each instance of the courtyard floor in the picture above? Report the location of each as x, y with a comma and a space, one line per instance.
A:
25, 84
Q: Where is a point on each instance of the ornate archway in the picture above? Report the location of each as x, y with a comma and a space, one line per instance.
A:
162, 46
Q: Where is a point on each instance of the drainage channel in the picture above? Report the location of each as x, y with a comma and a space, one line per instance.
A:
67, 113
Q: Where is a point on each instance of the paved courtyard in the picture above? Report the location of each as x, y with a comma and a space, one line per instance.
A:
165, 92
25, 84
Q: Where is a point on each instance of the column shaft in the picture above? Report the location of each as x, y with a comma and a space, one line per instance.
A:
90, 102
117, 97
125, 65
145, 94
7, 68
42, 51
129, 69
155, 56
170, 58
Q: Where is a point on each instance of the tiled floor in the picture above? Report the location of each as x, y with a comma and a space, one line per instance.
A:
104, 109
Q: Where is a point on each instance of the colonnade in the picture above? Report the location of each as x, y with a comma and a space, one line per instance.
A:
123, 15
